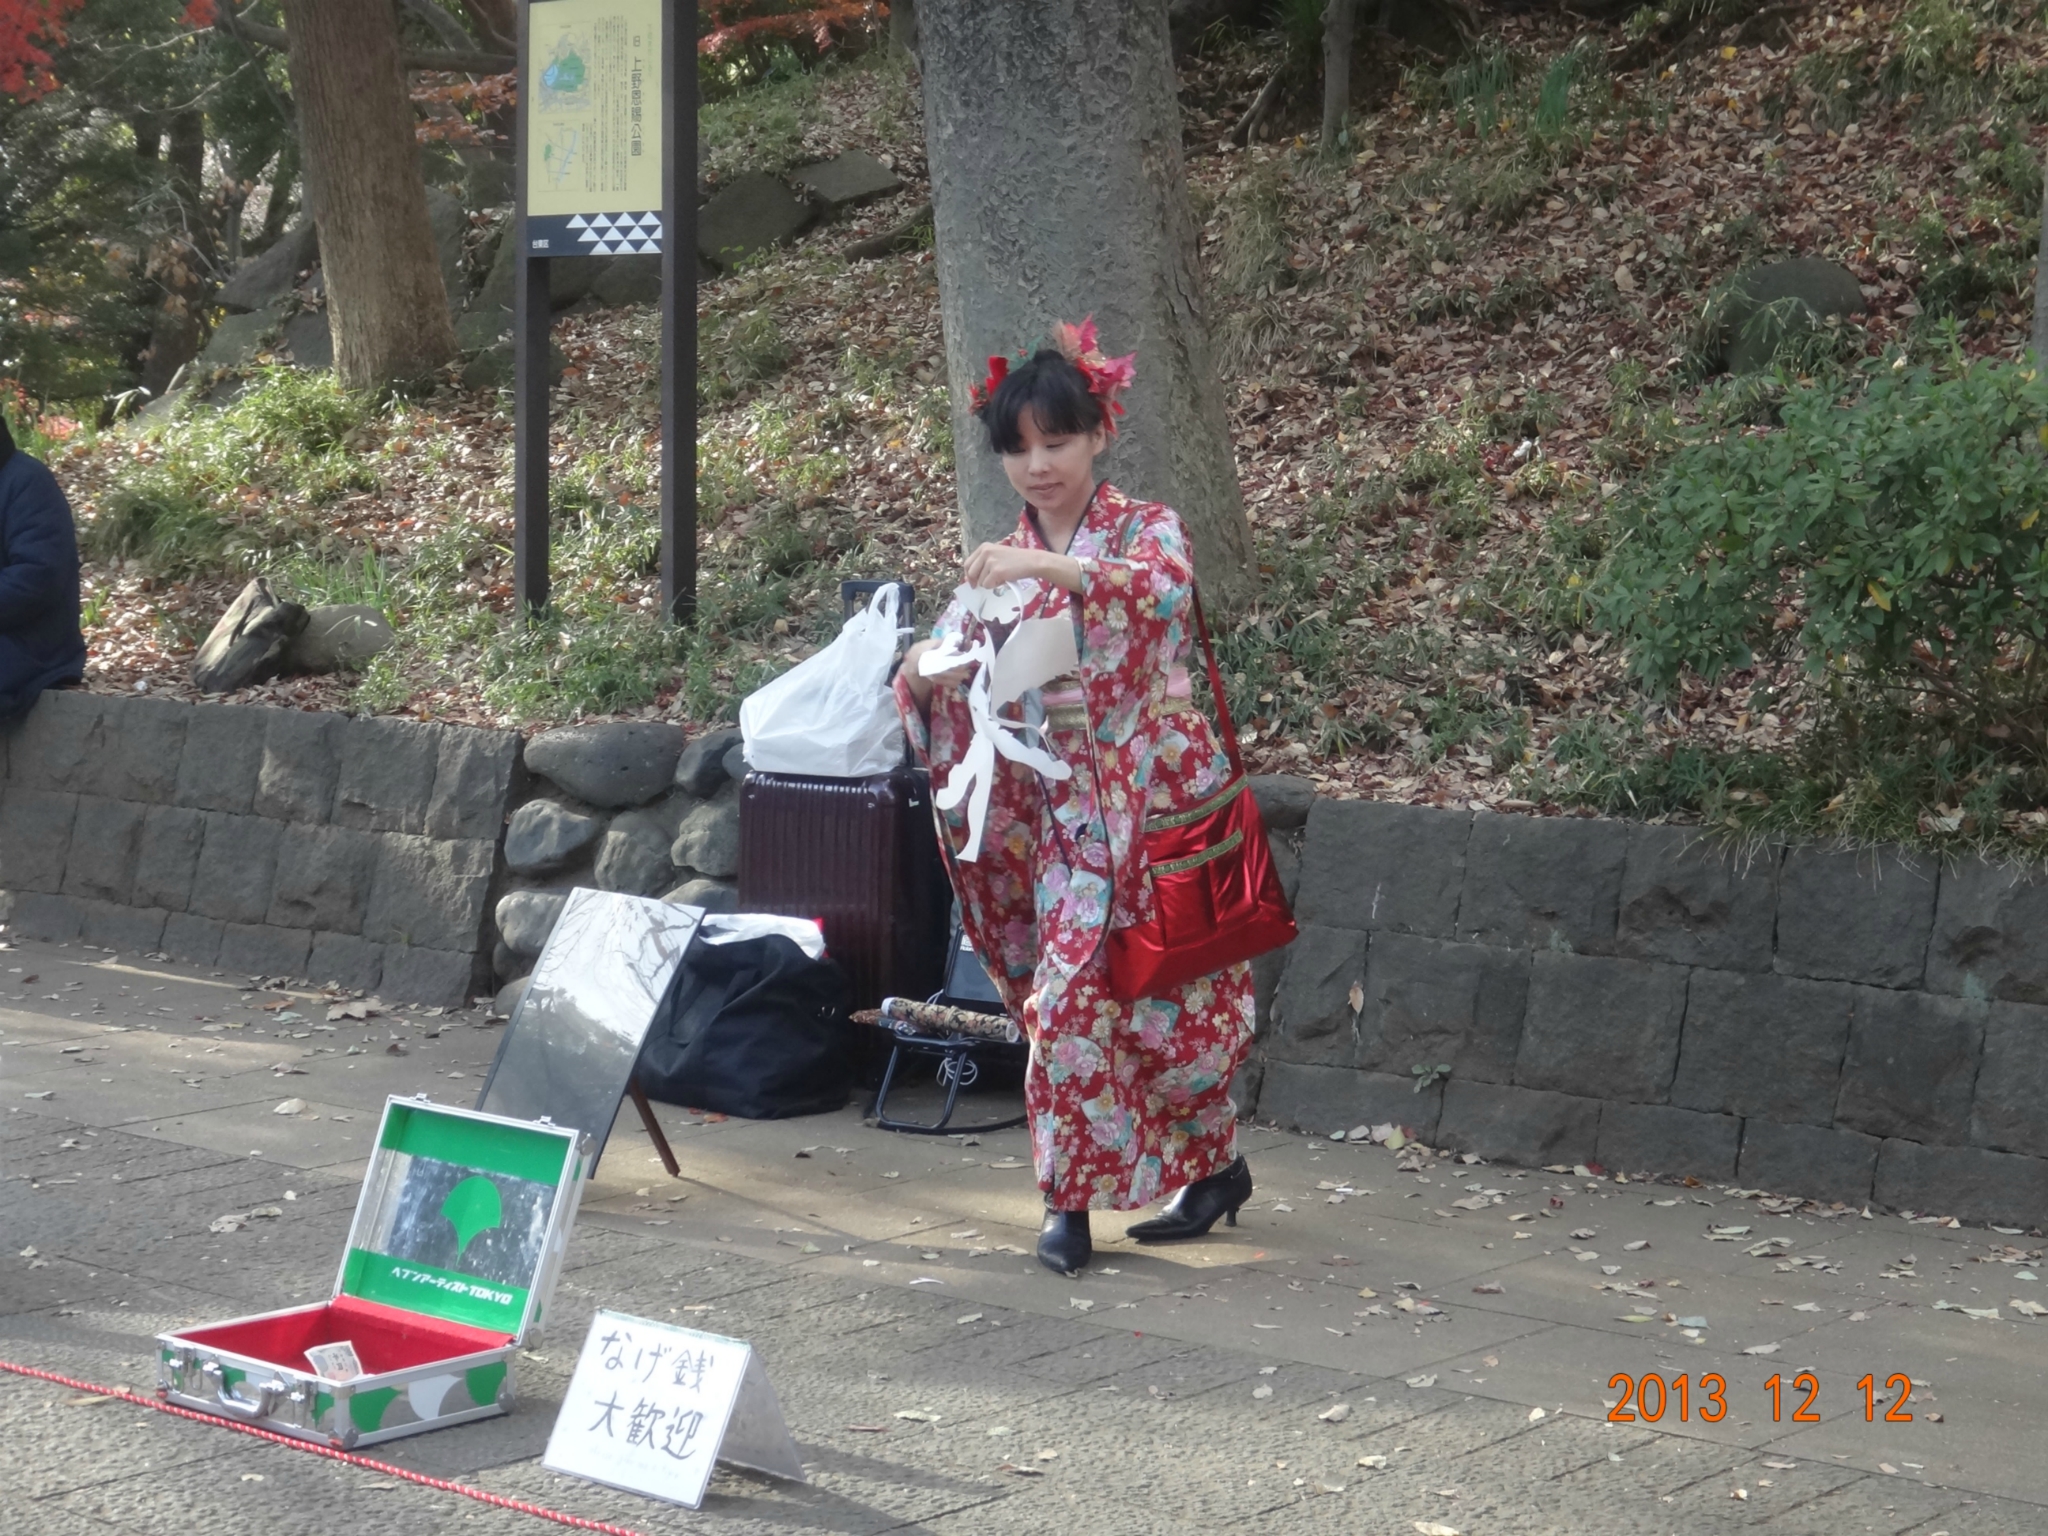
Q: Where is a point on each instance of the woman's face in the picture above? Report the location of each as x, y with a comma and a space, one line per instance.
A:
1054, 472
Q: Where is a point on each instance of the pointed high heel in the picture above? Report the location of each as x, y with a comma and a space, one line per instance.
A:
1193, 1211
1064, 1244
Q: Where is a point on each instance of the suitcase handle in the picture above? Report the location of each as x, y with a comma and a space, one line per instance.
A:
231, 1399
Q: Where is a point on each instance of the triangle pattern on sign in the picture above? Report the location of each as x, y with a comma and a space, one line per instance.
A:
650, 247
601, 221
577, 221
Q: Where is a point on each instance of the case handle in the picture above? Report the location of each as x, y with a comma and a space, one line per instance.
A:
230, 1398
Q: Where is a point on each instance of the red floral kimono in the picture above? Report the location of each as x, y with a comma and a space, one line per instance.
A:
1126, 1102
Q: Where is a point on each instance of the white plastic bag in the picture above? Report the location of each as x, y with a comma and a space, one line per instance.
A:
833, 714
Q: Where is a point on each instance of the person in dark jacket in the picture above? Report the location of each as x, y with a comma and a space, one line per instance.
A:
41, 644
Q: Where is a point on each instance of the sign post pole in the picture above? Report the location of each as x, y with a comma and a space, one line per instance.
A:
679, 318
531, 314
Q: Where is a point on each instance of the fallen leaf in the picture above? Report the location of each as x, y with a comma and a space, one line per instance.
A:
917, 1415
1375, 1462
290, 1107
1262, 1393
1435, 1528
1761, 1349
1637, 1246
2028, 1308
1535, 1414
232, 1223
1336, 1413
1782, 1466
972, 1317
1488, 1288
1421, 1381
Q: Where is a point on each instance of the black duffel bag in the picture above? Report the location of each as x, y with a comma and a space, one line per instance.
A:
754, 1028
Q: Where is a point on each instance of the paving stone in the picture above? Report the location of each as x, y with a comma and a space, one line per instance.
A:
1320, 1100
1594, 1022
612, 766
167, 856
701, 768
134, 750
436, 978
1971, 1183
41, 915
430, 893
1656, 1138
237, 868
1690, 901
545, 835
257, 949
35, 838
1365, 864
472, 783
123, 929
846, 180
1285, 799
53, 746
1810, 1161
192, 938
1520, 1125
633, 855
323, 879
1543, 882
754, 213
711, 895
1763, 1045
1990, 933
105, 839
1312, 1015
1911, 1066
222, 758
526, 918
386, 774
1430, 1002
1849, 915
709, 838
345, 960
2012, 1082
301, 757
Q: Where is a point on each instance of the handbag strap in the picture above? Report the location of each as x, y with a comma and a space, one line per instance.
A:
1223, 719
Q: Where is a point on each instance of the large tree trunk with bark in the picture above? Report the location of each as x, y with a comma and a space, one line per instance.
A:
1058, 191
1338, 16
386, 303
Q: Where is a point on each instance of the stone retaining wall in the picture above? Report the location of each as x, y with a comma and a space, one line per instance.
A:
1845, 1026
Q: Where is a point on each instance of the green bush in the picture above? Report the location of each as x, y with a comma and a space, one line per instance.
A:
1896, 537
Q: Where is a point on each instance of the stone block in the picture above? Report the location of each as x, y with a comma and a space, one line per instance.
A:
1543, 882
712, 895
1848, 915
1763, 1045
1319, 1100
263, 280
1808, 1161
106, 837
1655, 1138
1284, 800
2006, 1109
124, 930
1429, 1002
1312, 1017
612, 766
1911, 1066
1268, 970
633, 855
134, 751
1969, 1183
35, 838
257, 949
429, 893
222, 758
700, 771
753, 213
526, 918
191, 938
54, 745
472, 783
323, 879
1990, 933
1374, 866
1601, 1026
1519, 1125
310, 340
40, 915
167, 856
546, 835
1286, 863
237, 868
628, 280
1687, 901
386, 774
301, 757
346, 961
437, 978
709, 839
846, 180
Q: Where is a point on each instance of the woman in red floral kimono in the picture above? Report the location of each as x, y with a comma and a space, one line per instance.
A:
1126, 1101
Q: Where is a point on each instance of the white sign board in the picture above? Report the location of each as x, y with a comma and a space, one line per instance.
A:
652, 1407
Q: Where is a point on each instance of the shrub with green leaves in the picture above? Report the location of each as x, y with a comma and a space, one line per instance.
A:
1897, 536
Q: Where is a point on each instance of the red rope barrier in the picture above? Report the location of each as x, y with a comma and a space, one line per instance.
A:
540, 1511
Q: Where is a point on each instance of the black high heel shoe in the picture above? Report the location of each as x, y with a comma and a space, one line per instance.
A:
1063, 1242
1193, 1211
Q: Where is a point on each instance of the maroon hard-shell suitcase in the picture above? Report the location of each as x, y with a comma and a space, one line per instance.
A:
861, 856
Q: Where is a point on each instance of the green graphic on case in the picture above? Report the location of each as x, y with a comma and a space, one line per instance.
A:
472, 1207
483, 1383
366, 1409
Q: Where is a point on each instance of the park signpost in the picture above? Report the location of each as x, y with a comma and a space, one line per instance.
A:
607, 133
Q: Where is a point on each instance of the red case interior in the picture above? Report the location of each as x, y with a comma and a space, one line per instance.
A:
386, 1339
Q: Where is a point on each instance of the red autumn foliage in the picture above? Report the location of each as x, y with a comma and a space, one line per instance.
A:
730, 26
27, 29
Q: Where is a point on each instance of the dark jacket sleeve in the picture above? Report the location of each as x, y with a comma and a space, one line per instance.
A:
38, 544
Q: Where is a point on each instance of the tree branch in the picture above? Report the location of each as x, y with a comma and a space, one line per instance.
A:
461, 61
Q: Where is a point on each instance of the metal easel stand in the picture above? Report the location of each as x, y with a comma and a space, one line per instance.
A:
958, 1068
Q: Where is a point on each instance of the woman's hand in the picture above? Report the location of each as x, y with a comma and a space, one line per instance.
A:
993, 564
920, 685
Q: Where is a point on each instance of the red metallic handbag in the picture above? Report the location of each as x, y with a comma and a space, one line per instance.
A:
1216, 897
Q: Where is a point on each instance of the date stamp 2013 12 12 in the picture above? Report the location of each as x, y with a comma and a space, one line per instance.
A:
1648, 1398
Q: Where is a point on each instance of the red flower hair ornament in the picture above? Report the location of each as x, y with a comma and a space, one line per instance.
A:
1107, 377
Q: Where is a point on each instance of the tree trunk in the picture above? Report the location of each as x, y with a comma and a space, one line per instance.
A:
2041, 283
1058, 191
903, 26
1338, 16
386, 303
497, 20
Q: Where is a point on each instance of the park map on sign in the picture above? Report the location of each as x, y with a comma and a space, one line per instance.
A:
594, 128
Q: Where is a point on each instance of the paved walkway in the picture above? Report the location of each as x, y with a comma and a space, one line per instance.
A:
1384, 1345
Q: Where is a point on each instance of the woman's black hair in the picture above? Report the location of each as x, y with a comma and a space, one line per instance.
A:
1057, 394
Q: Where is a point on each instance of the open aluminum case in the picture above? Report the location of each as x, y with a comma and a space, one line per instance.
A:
457, 1242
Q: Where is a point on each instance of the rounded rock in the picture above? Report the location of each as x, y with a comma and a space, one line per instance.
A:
338, 637
1284, 800
736, 763
709, 841
614, 766
701, 769
711, 895
633, 857
526, 918
546, 834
